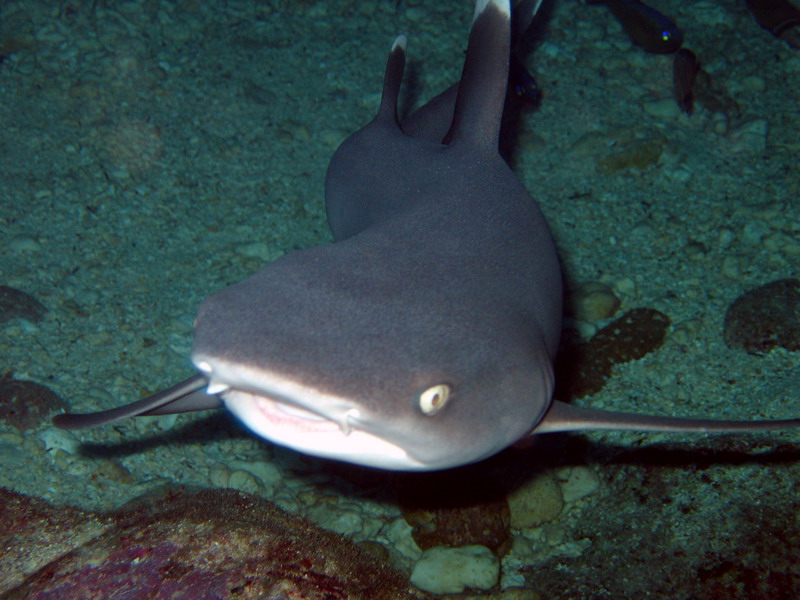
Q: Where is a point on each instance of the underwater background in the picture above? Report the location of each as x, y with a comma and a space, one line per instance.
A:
153, 152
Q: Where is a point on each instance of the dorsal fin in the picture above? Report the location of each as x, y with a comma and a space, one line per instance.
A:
393, 77
482, 88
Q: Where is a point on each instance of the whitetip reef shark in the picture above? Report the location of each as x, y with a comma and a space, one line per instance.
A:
423, 338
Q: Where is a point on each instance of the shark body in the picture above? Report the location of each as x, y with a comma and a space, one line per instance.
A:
423, 338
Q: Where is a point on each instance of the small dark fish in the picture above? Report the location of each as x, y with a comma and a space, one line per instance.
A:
685, 67
646, 26
779, 17
521, 83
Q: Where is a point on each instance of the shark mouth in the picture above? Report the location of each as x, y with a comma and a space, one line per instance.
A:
282, 414
306, 420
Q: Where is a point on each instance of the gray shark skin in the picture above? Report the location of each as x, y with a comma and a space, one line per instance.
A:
423, 338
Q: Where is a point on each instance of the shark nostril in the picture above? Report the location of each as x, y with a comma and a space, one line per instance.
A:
217, 387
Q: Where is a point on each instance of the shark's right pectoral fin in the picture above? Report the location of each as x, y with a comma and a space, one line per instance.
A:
187, 396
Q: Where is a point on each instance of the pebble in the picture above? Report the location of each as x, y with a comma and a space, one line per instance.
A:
725, 238
775, 242
681, 174
720, 123
624, 286
753, 232
750, 137
594, 301
345, 518
218, 476
687, 331
754, 83
416, 14
24, 243
731, 267
244, 482
553, 534
638, 154
665, 109
258, 250
792, 249
712, 14
577, 482
443, 570
537, 501
332, 137
59, 439
269, 474
401, 540
113, 471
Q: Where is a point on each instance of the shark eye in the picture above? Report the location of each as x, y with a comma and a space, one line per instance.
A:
432, 400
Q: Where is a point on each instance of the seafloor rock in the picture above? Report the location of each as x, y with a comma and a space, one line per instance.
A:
25, 404
593, 301
15, 304
183, 544
443, 570
34, 533
536, 501
639, 154
765, 317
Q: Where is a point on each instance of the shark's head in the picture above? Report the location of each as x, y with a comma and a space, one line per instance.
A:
311, 356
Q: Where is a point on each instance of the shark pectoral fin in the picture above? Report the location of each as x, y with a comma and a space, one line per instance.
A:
186, 396
565, 417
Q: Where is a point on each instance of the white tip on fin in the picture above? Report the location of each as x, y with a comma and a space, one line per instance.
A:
504, 6
399, 41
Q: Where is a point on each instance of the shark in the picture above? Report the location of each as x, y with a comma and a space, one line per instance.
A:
423, 337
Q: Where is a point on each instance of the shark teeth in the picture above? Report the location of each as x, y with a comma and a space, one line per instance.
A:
345, 424
296, 411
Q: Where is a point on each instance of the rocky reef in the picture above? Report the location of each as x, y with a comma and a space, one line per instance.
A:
182, 544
